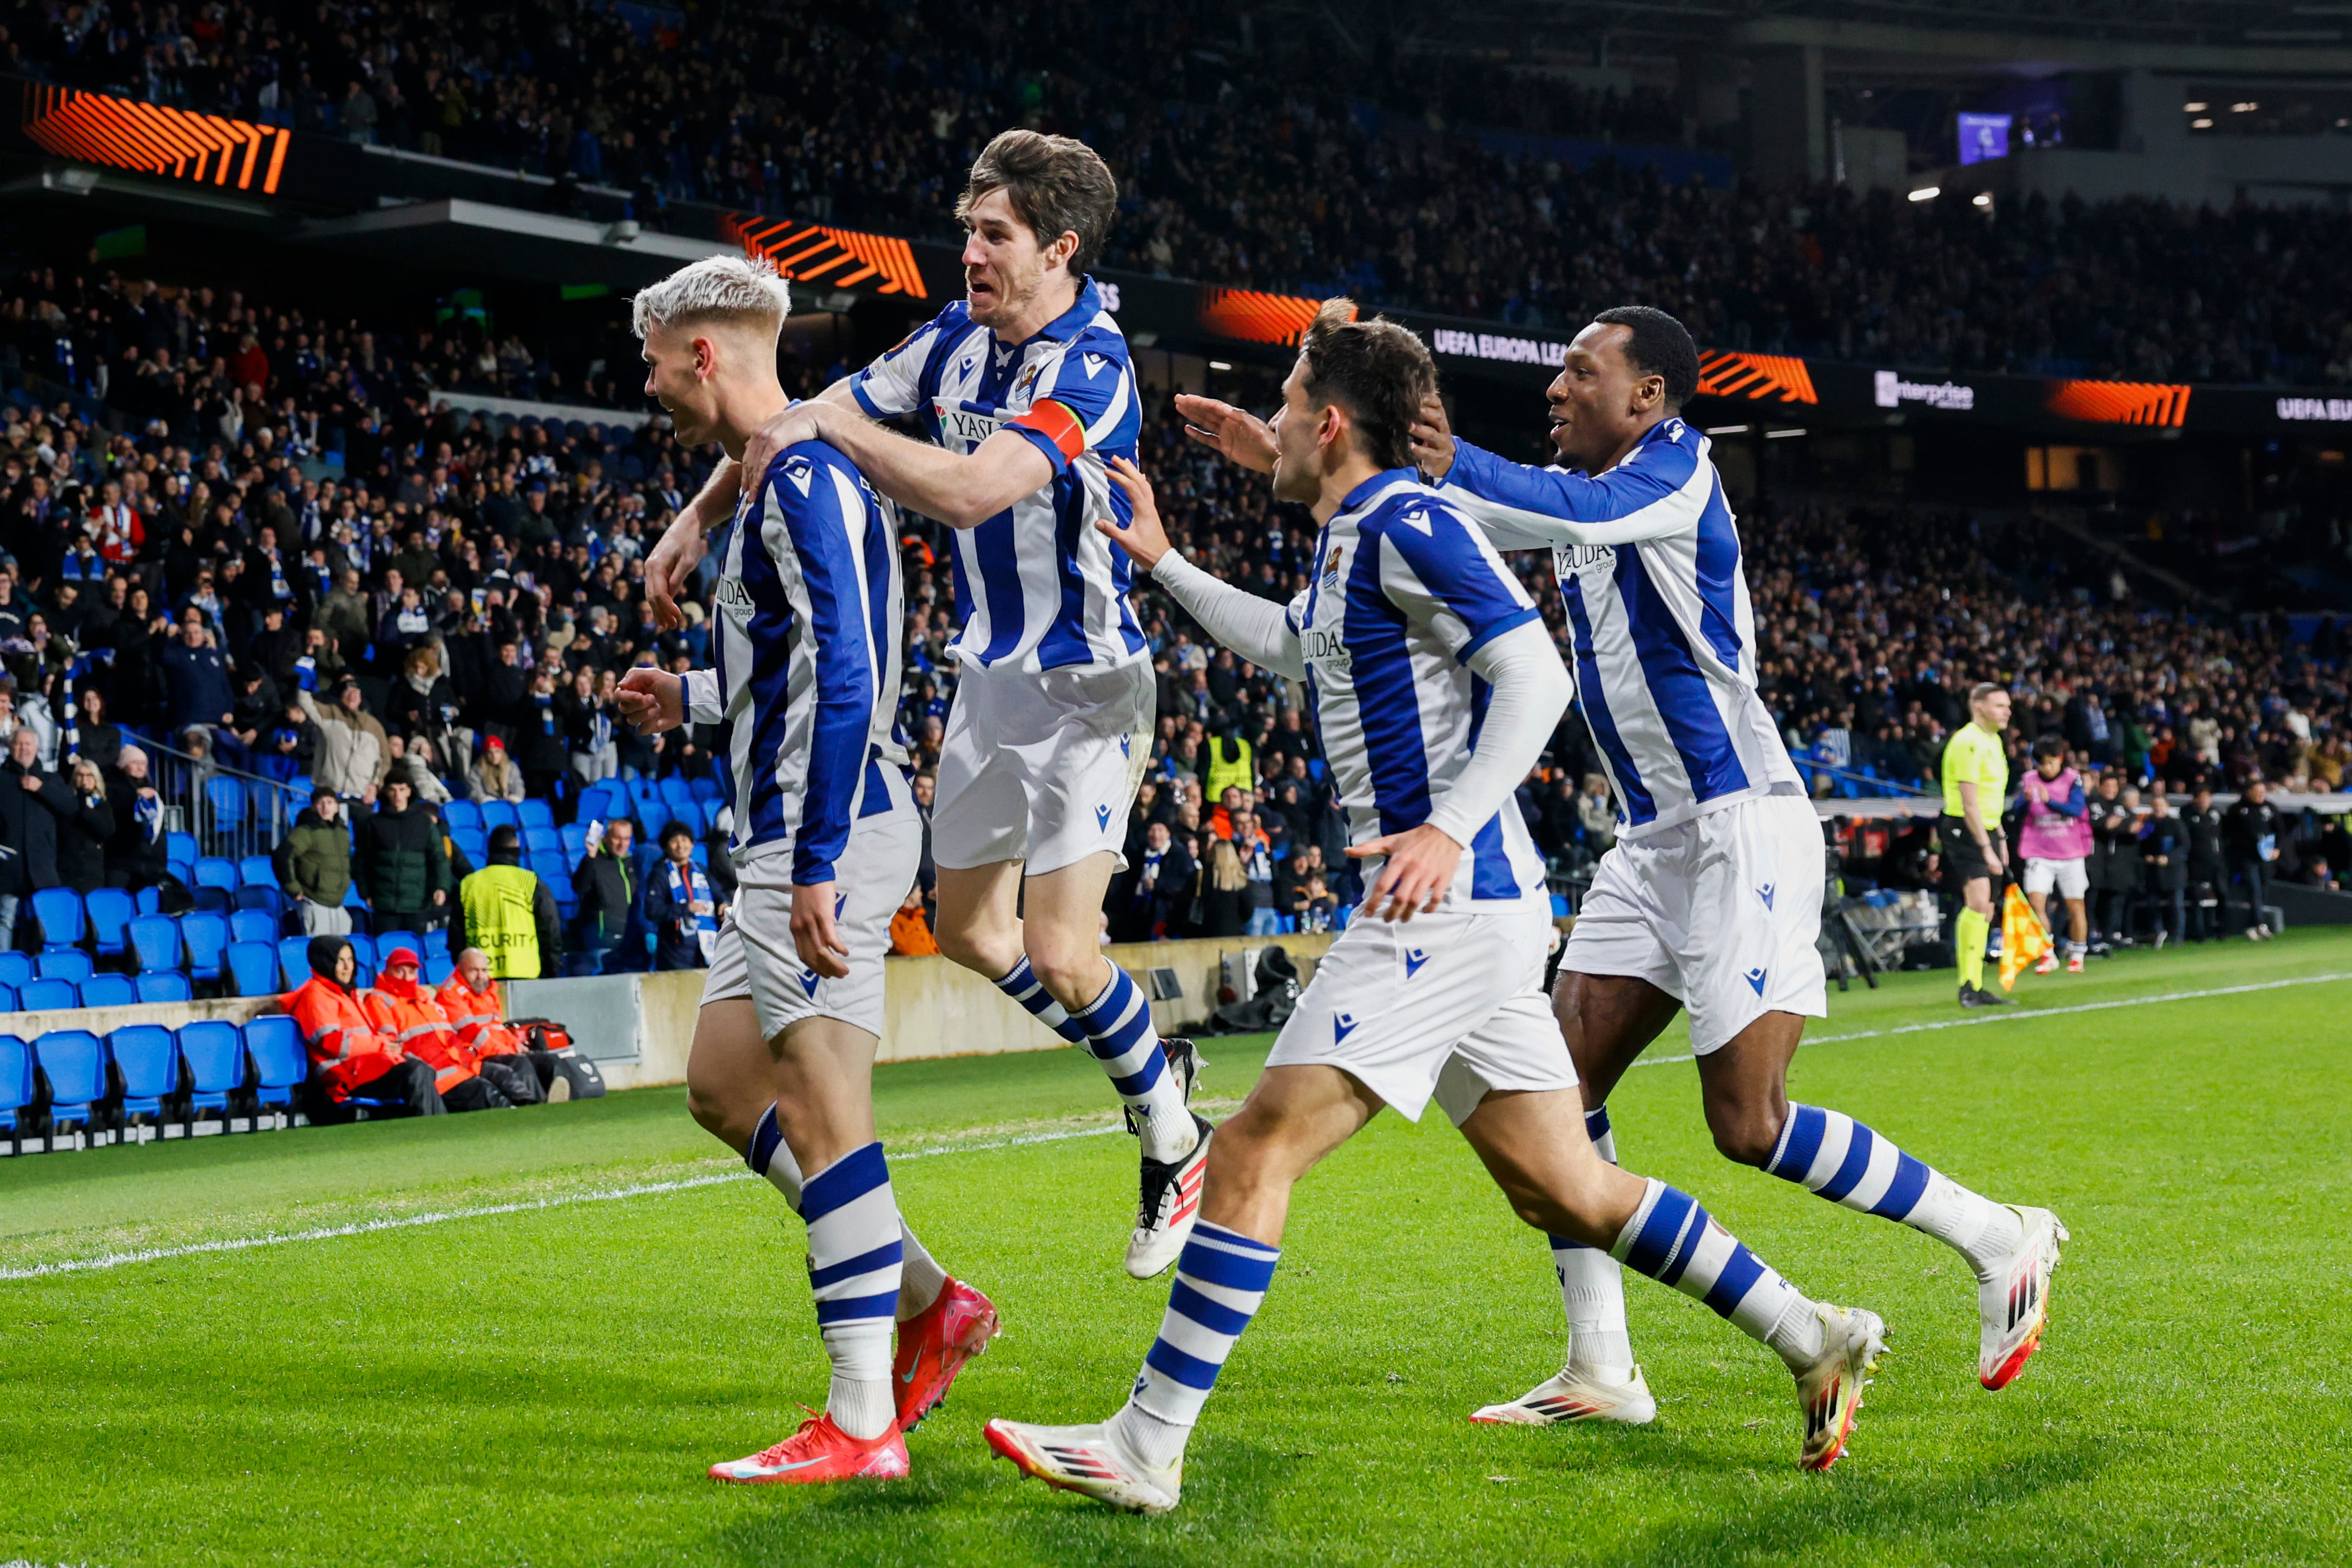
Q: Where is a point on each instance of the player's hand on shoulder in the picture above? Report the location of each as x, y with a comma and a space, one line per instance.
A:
651, 700
781, 431
1144, 536
1234, 433
1431, 439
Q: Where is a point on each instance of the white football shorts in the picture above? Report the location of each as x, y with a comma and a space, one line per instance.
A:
2071, 878
1448, 1005
1040, 767
1721, 912
755, 956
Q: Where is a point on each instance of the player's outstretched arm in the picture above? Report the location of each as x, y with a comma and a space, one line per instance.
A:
1660, 491
1258, 631
652, 701
1234, 434
960, 491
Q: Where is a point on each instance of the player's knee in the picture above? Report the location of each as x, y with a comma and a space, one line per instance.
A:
1073, 972
715, 1114
1745, 1134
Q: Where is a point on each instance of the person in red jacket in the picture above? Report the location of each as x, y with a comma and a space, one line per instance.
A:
406, 1011
350, 1057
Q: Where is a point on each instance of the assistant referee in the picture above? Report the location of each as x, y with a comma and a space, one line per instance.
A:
1976, 783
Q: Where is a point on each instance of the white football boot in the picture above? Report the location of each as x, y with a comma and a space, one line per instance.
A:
1573, 1395
1088, 1459
1828, 1391
2013, 1299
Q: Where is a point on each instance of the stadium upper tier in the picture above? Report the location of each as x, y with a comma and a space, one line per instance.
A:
1413, 183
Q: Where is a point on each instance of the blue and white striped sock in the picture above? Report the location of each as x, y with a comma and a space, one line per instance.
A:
1676, 1242
1221, 1277
1832, 1155
1593, 1287
854, 1266
1023, 986
1118, 1030
920, 1279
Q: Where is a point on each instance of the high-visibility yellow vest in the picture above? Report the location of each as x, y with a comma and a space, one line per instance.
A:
1239, 772
497, 901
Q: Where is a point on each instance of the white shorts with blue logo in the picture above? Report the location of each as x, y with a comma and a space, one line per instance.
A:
1448, 1005
1720, 912
1040, 767
755, 956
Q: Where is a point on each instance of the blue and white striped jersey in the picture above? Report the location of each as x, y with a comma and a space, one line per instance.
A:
1035, 586
1406, 588
1648, 564
808, 604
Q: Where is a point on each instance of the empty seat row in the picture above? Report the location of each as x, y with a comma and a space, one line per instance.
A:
46, 995
73, 1082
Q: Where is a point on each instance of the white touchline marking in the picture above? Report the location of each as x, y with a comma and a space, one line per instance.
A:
2027, 1017
486, 1211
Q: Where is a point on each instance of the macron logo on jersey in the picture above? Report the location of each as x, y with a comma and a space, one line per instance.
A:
1755, 978
1102, 817
1413, 961
809, 978
1342, 1025
1765, 893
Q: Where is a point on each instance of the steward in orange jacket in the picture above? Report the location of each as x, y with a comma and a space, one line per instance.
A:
408, 1012
351, 1060
474, 1007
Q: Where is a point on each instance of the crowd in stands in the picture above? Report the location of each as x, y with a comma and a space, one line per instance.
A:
1246, 165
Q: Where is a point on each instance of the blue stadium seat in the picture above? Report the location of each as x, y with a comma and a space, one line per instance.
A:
107, 991
387, 941
108, 910
541, 841
280, 1061
534, 813
439, 968
677, 791
180, 849
647, 801
473, 843
551, 870
574, 837
294, 961
16, 1088
213, 1052
59, 910
149, 1060
256, 871
364, 950
206, 937
225, 798
252, 925
701, 855
216, 871
74, 1064
48, 997
7, 998
462, 814
163, 985
16, 968
436, 943
253, 968
150, 900
269, 901
66, 965
607, 798
707, 789
496, 814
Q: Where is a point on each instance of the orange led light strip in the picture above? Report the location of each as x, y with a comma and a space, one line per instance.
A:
2120, 402
203, 148
843, 257
1254, 318
1761, 378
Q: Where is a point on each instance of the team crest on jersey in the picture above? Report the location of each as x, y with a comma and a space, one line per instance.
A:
1332, 568
1028, 378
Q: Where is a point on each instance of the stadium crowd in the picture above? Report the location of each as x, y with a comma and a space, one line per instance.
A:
1247, 170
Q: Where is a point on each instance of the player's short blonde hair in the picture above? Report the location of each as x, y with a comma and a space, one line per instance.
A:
731, 289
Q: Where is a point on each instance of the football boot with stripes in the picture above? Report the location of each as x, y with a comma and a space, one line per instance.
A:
1171, 1203
1087, 1460
1828, 1391
2013, 1300
1573, 1395
819, 1451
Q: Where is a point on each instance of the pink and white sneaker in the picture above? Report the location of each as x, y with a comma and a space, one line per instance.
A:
2013, 1300
933, 1346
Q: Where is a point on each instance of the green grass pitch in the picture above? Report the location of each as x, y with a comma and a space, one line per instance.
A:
545, 1385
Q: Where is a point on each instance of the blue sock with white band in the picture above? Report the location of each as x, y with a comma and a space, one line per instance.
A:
1676, 1242
1021, 984
1221, 1277
1116, 1029
1593, 1287
1833, 1155
920, 1277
